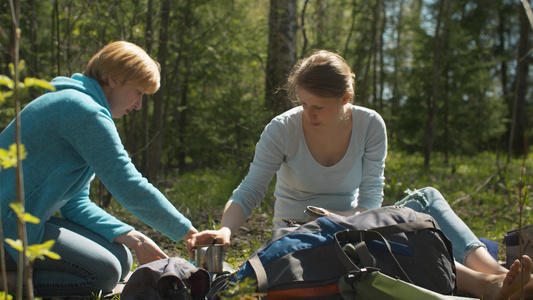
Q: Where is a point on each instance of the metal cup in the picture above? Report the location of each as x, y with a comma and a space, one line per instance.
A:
209, 257
314, 212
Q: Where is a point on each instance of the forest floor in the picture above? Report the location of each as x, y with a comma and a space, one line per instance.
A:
250, 237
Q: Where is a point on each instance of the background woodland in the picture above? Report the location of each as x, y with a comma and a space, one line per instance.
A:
448, 77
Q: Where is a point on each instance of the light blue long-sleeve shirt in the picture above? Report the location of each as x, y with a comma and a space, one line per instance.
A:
357, 180
69, 136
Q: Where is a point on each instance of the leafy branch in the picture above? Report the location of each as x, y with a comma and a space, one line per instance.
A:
33, 252
11, 158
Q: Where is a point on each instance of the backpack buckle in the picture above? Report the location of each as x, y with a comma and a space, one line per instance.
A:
359, 275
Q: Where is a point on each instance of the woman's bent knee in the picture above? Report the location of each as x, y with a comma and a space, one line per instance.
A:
108, 276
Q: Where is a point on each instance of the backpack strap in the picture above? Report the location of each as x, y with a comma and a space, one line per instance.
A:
356, 236
364, 255
360, 236
260, 274
404, 227
415, 226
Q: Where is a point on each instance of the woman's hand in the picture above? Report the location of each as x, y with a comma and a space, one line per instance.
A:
206, 237
145, 249
189, 235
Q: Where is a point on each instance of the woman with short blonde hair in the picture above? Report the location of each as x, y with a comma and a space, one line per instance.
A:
70, 137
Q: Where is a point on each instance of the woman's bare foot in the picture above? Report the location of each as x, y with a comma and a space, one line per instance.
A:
504, 286
528, 291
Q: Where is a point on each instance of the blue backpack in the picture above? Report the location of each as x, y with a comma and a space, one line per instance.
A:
307, 261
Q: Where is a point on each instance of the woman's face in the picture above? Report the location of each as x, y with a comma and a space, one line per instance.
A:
123, 98
320, 111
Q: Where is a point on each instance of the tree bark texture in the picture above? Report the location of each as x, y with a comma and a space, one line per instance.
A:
519, 124
281, 52
431, 104
157, 118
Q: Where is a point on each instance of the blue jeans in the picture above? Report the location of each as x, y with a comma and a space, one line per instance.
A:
89, 263
430, 201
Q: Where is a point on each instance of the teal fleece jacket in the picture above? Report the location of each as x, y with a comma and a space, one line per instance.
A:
69, 136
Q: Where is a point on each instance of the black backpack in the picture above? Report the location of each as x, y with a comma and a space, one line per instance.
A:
307, 261
171, 278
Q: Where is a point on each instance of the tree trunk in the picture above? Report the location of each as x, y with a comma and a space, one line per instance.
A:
376, 37
68, 31
352, 27
145, 119
502, 21
445, 117
304, 32
281, 52
518, 125
319, 24
180, 115
157, 118
183, 115
431, 103
501, 53
57, 56
382, 55
371, 57
396, 95
34, 58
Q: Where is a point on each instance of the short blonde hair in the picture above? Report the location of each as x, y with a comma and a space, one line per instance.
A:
125, 62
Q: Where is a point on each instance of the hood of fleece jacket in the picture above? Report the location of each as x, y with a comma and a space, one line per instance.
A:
83, 84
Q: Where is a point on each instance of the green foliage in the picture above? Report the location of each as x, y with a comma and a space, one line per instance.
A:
471, 112
195, 192
213, 86
479, 188
224, 106
37, 251
12, 158
33, 252
8, 158
22, 215
242, 290
25, 90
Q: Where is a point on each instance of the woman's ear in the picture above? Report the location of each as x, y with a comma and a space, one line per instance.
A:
112, 82
346, 98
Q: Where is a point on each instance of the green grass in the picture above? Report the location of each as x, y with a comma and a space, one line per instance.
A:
480, 189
